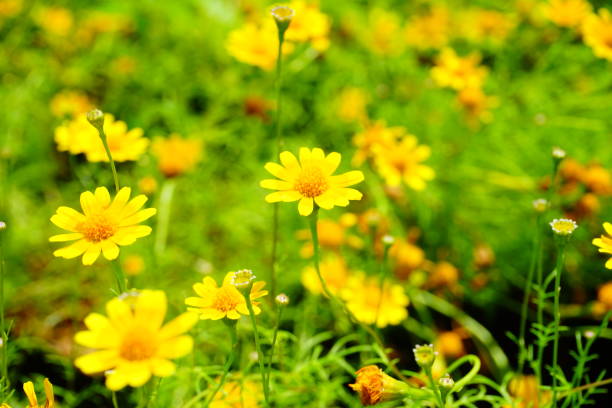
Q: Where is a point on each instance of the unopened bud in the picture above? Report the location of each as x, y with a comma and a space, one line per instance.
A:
282, 300
540, 205
283, 16
388, 240
446, 382
424, 355
96, 118
242, 279
558, 153
2, 225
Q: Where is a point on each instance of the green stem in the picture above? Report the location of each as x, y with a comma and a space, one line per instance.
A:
114, 398
260, 356
119, 277
163, 218
524, 308
110, 157
228, 364
467, 379
557, 319
383, 272
315, 244
434, 387
4, 383
540, 316
279, 313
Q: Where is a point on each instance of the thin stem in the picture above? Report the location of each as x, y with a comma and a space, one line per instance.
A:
540, 316
557, 317
434, 387
279, 313
277, 132
114, 398
163, 219
119, 277
524, 308
3, 335
260, 356
228, 364
315, 243
110, 157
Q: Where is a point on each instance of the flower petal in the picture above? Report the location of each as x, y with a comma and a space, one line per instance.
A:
97, 361
66, 237
72, 251
347, 179
102, 197
285, 196
274, 184
178, 325
91, 254
110, 249
175, 347
305, 206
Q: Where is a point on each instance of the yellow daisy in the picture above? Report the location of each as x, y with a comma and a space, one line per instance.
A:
308, 24
567, 13
254, 45
310, 181
103, 226
457, 72
605, 243
401, 162
239, 393
365, 300
28, 388
374, 134
79, 136
71, 103
131, 342
335, 274
597, 33
429, 31
214, 302
176, 155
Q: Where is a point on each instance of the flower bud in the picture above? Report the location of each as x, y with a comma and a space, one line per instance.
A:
388, 240
558, 153
446, 382
243, 278
283, 16
2, 225
424, 355
540, 205
374, 386
96, 118
282, 300
563, 226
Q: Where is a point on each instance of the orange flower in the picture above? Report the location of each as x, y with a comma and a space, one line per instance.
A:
374, 386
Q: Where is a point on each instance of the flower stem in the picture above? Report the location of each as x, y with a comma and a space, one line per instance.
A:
163, 219
120, 277
4, 382
528, 284
557, 318
279, 313
228, 364
110, 157
114, 398
260, 356
277, 133
434, 387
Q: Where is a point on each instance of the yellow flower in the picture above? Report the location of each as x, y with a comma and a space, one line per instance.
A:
214, 302
57, 21
401, 162
476, 104
351, 104
238, 394
147, 185
132, 343
525, 390
102, 226
407, 257
597, 33
382, 36
605, 243
254, 45
71, 103
457, 72
334, 272
429, 31
78, 136
563, 226
311, 181
597, 179
10, 8
450, 344
567, 13
176, 155
374, 386
133, 265
485, 25
28, 388
365, 300
604, 295
308, 25
373, 135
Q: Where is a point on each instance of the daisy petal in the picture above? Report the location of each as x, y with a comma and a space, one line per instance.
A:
305, 206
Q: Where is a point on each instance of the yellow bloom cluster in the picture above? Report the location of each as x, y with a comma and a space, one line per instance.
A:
256, 42
79, 136
131, 342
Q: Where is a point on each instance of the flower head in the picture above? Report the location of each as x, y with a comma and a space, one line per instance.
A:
540, 205
375, 135
401, 162
374, 386
282, 13
597, 33
310, 181
103, 226
131, 342
254, 45
567, 13
238, 393
604, 242
372, 305
457, 72
78, 136
309, 24
282, 299
70, 103
446, 382
351, 105
525, 389
383, 34
333, 235
28, 388
334, 271
424, 355
558, 153
563, 226
216, 302
243, 278
176, 155
429, 31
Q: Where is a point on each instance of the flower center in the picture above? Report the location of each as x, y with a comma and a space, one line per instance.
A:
311, 182
96, 228
138, 345
227, 299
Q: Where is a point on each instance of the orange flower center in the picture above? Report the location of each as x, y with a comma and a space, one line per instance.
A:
311, 182
96, 228
138, 345
227, 299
